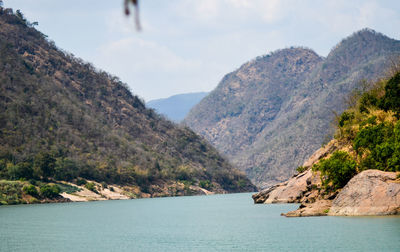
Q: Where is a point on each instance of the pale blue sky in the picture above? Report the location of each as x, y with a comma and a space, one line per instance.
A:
189, 45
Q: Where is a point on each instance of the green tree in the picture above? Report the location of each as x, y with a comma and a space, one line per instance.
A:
44, 165
31, 190
337, 170
391, 99
49, 191
65, 169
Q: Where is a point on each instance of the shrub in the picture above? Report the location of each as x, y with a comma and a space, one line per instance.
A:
44, 165
379, 147
49, 191
367, 100
337, 170
91, 186
81, 181
301, 169
345, 117
206, 184
391, 101
65, 169
20, 170
31, 190
68, 188
371, 136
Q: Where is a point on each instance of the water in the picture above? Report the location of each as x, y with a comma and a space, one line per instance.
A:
201, 223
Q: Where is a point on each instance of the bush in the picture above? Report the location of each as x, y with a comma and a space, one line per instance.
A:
367, 100
379, 147
65, 169
81, 181
44, 165
91, 186
391, 99
10, 192
49, 191
345, 117
206, 184
337, 170
31, 190
68, 188
301, 169
371, 136
20, 170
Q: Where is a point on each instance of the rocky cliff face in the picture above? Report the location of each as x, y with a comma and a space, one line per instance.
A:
273, 112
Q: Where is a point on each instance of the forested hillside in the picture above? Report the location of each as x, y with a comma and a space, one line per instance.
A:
63, 119
273, 112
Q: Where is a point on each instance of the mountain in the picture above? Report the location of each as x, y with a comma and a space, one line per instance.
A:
357, 173
63, 119
176, 107
269, 115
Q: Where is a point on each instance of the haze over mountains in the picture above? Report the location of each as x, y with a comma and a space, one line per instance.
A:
61, 118
177, 106
268, 116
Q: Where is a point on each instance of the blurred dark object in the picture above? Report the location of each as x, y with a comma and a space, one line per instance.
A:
135, 4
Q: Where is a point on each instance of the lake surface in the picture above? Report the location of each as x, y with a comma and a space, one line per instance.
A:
199, 223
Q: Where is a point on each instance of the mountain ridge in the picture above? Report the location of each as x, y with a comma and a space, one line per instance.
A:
63, 119
301, 115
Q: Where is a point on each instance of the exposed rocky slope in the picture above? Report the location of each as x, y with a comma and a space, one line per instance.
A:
61, 119
273, 112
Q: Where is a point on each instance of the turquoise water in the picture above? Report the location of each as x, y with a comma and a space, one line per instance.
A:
200, 223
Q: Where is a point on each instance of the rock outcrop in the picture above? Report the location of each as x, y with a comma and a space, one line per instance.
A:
318, 208
372, 192
290, 191
301, 187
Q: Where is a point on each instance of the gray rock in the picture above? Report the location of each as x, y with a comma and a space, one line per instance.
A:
371, 192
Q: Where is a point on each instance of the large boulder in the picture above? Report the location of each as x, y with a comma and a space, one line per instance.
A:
371, 192
290, 191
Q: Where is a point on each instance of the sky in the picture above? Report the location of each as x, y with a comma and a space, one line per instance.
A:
189, 45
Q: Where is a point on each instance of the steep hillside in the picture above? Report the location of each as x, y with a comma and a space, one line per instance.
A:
358, 172
176, 107
273, 112
61, 119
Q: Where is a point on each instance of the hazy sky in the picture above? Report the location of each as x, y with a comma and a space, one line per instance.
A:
189, 45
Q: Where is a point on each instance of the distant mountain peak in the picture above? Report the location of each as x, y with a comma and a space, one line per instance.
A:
177, 106
363, 38
289, 51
